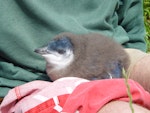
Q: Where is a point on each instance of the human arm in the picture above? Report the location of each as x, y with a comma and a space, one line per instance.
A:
122, 107
139, 69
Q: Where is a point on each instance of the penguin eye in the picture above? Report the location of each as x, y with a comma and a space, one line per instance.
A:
60, 51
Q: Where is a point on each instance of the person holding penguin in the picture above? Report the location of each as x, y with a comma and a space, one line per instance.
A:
26, 25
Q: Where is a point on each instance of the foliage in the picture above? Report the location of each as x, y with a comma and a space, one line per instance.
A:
146, 6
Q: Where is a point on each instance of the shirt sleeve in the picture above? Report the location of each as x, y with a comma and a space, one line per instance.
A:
130, 14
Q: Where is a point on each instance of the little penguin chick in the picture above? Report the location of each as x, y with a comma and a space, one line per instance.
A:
90, 56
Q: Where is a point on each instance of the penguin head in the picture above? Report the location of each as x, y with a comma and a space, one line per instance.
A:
58, 52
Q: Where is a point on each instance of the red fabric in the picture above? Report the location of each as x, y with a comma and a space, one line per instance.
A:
27, 96
47, 107
69, 95
91, 96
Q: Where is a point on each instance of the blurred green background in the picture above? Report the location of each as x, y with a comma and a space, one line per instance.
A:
147, 22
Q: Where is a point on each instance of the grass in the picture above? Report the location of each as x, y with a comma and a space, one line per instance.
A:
126, 77
146, 6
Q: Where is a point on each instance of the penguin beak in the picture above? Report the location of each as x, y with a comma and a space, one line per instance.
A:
42, 50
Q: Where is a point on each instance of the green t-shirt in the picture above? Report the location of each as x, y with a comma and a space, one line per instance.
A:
27, 24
